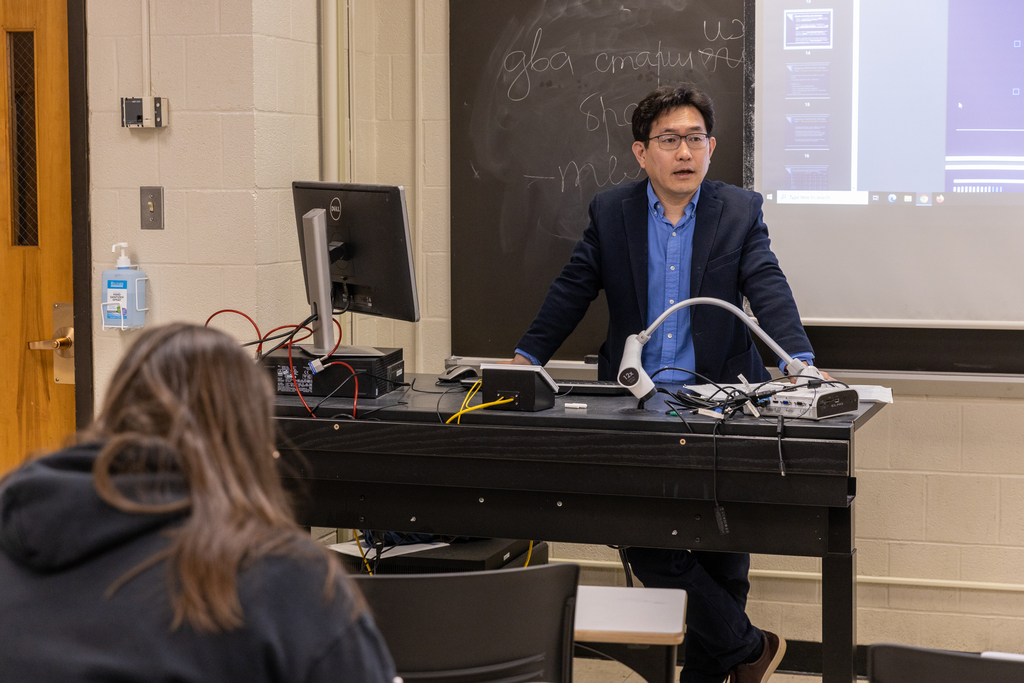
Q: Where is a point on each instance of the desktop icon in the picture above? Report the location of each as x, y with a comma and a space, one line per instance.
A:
892, 198
939, 199
874, 197
769, 196
924, 199
908, 198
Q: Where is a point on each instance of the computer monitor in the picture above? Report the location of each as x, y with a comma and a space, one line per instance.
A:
356, 253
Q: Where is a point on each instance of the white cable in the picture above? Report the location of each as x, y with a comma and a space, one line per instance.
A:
329, 40
633, 376
646, 334
147, 76
419, 160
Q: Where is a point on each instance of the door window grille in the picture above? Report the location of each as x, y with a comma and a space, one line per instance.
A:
21, 79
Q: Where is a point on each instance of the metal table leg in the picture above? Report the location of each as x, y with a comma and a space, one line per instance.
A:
656, 663
839, 600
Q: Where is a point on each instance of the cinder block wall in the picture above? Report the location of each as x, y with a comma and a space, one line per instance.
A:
941, 472
940, 501
241, 76
391, 132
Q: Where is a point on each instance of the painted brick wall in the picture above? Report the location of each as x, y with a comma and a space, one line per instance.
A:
241, 76
385, 137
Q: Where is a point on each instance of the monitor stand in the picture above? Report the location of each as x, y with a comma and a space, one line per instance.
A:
343, 352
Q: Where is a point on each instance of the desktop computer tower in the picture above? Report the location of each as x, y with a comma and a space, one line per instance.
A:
377, 374
469, 556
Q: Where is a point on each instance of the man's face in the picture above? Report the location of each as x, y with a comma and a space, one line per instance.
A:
675, 174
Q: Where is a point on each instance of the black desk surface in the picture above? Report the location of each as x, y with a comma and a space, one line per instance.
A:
425, 401
609, 453
608, 475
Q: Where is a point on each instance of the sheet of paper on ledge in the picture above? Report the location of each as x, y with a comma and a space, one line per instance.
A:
867, 393
350, 548
872, 393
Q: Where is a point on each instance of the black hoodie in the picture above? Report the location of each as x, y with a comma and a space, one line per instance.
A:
61, 548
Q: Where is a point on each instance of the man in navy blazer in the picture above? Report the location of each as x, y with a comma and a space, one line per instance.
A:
731, 259
650, 244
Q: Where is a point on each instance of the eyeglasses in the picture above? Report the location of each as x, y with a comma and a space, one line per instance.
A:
671, 141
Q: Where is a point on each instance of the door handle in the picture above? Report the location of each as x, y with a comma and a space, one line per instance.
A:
55, 343
62, 344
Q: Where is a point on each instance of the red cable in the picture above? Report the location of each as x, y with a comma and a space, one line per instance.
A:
292, 341
355, 377
291, 366
300, 339
338, 325
295, 381
259, 348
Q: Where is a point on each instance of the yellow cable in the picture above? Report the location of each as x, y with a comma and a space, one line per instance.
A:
469, 396
528, 553
482, 405
360, 546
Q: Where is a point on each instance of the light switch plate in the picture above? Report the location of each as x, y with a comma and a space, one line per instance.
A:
151, 207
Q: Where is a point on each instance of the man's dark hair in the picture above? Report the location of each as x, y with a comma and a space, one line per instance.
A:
667, 98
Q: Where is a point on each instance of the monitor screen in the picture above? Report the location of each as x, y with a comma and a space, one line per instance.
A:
368, 245
890, 152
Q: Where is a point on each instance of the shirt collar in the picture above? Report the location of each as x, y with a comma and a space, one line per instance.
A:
655, 204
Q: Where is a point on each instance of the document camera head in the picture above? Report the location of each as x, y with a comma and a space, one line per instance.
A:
631, 370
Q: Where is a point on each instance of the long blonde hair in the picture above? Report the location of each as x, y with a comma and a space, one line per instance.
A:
187, 400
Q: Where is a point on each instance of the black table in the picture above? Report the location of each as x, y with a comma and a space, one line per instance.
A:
609, 474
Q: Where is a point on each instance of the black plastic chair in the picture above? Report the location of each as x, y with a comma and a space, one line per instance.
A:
905, 664
475, 627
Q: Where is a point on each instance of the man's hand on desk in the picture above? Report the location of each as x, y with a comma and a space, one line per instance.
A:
824, 376
520, 359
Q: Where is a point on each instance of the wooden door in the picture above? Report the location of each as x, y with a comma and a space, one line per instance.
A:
35, 223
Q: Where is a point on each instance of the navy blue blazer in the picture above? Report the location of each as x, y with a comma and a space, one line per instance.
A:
732, 258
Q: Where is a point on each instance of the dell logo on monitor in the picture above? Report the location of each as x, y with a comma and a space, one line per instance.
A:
336, 209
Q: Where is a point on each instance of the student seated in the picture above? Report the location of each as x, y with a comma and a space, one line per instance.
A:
162, 546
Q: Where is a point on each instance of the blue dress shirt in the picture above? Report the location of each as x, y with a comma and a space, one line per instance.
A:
669, 252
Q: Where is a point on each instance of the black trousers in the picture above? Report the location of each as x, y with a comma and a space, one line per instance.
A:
718, 633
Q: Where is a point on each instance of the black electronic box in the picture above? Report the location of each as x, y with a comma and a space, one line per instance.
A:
471, 556
377, 375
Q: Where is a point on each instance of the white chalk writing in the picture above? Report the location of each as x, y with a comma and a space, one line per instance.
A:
518, 64
734, 36
606, 62
595, 122
575, 173
711, 57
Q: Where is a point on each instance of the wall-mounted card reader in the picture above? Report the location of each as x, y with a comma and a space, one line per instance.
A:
145, 112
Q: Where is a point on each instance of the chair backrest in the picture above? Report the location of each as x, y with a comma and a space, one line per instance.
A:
905, 664
474, 627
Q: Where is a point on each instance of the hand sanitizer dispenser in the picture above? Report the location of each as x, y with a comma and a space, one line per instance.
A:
124, 294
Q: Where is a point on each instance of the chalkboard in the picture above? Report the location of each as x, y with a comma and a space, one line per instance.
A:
542, 94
